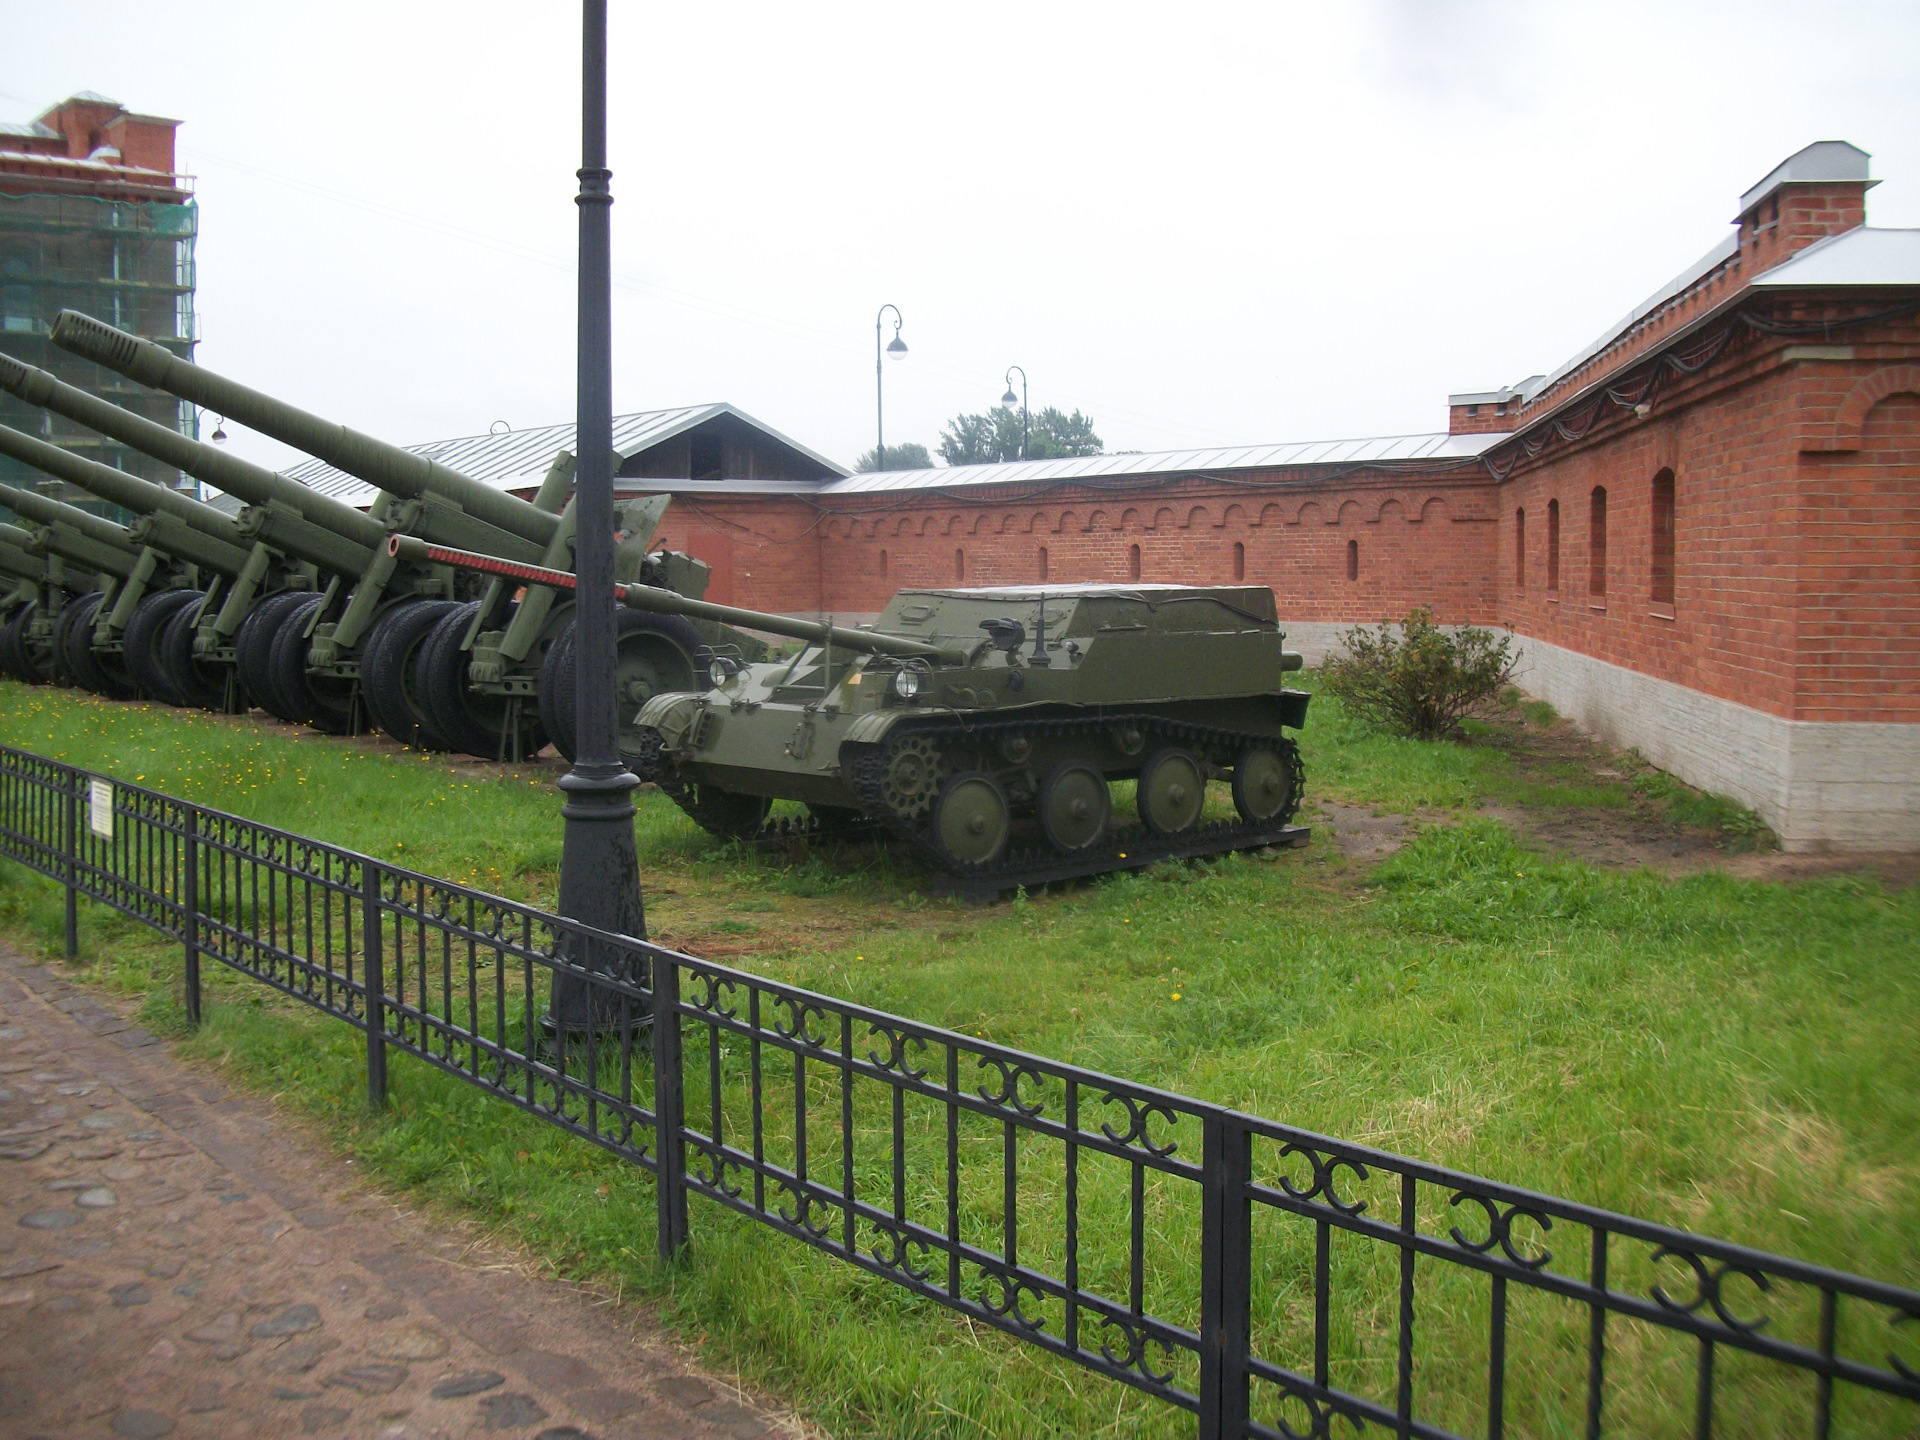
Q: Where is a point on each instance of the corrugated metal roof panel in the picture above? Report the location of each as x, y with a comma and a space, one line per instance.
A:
1855, 257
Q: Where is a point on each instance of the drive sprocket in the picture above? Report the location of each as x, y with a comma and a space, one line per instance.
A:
915, 769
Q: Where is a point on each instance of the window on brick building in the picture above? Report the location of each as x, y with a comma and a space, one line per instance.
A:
1239, 561
1520, 549
959, 564
1597, 543
1133, 562
1353, 559
1553, 545
1043, 562
1661, 567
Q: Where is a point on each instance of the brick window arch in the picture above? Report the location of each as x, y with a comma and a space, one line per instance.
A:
1239, 560
1043, 562
959, 563
1520, 548
1553, 545
1597, 543
1660, 568
1353, 559
883, 564
1133, 562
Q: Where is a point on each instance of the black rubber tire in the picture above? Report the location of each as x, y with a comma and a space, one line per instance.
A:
387, 670
557, 681
101, 674
194, 680
57, 635
13, 646
33, 660
321, 701
253, 649
472, 721
139, 645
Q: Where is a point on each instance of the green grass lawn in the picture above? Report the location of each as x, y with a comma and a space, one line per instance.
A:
1733, 1056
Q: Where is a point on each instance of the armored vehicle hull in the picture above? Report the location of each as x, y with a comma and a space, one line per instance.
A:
994, 755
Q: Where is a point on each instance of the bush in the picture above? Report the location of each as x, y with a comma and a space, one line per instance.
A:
1417, 679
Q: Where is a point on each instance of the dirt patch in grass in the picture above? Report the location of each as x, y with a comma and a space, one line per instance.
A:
1356, 832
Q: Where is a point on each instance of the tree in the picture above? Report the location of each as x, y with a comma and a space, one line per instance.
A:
910, 456
995, 436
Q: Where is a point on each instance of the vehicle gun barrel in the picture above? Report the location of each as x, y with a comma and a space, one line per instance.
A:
253, 484
143, 497
32, 505
667, 602
389, 467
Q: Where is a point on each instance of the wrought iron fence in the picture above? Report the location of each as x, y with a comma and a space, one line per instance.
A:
1270, 1281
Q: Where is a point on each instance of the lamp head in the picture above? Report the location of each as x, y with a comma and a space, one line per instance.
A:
896, 347
219, 436
1009, 400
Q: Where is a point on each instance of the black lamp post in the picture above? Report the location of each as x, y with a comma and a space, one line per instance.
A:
895, 349
599, 868
1007, 400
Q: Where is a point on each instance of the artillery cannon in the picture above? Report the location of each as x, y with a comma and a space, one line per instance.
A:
490, 675
86, 634
985, 729
40, 590
161, 628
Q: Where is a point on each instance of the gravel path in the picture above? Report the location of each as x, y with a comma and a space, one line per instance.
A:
173, 1261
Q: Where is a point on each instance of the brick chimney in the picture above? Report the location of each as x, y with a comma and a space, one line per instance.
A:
1814, 193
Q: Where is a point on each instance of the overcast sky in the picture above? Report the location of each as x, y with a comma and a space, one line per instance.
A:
1201, 224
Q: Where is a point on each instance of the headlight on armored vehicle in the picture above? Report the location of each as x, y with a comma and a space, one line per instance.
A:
907, 684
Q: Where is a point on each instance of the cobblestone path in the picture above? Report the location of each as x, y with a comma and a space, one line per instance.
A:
173, 1262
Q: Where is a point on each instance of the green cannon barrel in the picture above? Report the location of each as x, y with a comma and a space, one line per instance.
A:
253, 484
42, 510
401, 472
16, 558
182, 527
660, 601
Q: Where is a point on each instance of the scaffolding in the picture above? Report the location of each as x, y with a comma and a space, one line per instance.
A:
127, 262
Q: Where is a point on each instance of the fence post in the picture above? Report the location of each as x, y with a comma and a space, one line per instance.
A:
669, 1108
71, 847
1226, 1276
373, 970
190, 912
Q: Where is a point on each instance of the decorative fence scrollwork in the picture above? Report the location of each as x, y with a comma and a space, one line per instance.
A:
1270, 1281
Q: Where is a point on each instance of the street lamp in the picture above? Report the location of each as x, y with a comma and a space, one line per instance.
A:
895, 349
1006, 403
599, 867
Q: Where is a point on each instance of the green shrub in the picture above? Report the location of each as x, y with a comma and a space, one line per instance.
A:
1417, 679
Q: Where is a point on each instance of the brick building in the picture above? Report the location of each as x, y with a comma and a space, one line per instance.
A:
94, 217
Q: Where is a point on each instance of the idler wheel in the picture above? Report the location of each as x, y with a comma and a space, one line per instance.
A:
1263, 787
1171, 793
1075, 805
915, 770
971, 820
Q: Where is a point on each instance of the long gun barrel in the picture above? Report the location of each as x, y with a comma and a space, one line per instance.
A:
668, 602
16, 558
253, 484
143, 497
31, 505
401, 472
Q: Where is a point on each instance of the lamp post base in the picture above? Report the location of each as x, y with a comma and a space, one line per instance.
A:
599, 886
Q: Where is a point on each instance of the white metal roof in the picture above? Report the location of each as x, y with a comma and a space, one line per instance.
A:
1822, 162
1854, 257
519, 459
1383, 448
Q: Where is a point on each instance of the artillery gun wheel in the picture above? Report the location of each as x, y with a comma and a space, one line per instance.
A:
140, 645
253, 650
323, 701
1172, 791
196, 681
104, 675
971, 819
57, 636
493, 727
21, 659
1267, 783
388, 679
1075, 805
655, 655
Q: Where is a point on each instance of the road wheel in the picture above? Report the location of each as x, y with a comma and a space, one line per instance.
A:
971, 820
655, 655
1075, 805
196, 681
140, 645
1171, 793
1266, 789
728, 812
387, 673
472, 720
253, 650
